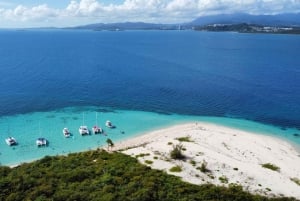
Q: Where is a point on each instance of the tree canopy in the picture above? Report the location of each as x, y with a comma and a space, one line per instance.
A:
99, 175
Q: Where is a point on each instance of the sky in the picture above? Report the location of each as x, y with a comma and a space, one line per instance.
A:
65, 13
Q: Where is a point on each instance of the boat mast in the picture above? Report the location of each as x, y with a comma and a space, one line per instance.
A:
83, 118
96, 118
39, 128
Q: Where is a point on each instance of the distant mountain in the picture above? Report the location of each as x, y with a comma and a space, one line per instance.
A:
238, 18
127, 26
290, 19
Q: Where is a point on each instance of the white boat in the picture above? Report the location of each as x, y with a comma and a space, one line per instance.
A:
10, 141
83, 130
96, 128
41, 142
109, 124
66, 132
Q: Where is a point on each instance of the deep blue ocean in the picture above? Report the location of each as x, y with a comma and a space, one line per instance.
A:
252, 77
248, 76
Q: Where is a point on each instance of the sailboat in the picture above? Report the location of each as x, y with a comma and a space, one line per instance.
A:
96, 128
10, 141
83, 130
41, 141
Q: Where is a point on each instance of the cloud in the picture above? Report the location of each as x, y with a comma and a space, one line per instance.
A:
22, 13
161, 11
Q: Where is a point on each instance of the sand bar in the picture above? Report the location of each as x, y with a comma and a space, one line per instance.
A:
229, 153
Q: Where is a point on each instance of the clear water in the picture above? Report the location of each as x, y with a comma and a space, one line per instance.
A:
26, 128
50, 77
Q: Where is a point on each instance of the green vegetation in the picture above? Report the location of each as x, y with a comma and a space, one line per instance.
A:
176, 153
176, 169
271, 167
142, 155
170, 143
223, 179
148, 162
110, 143
184, 139
193, 162
203, 167
102, 176
296, 180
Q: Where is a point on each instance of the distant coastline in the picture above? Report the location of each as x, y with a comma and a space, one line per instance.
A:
239, 22
239, 28
249, 28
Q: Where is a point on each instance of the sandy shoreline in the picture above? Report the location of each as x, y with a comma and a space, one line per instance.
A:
231, 154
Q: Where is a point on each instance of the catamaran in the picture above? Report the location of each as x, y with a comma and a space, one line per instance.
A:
96, 128
83, 130
41, 142
10, 141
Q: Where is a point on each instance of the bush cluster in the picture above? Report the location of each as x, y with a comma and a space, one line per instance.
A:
99, 175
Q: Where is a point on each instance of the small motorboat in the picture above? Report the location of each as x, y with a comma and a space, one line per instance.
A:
83, 130
97, 130
10, 141
66, 132
109, 124
41, 142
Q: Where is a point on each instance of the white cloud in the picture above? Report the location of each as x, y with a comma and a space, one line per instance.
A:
162, 11
22, 13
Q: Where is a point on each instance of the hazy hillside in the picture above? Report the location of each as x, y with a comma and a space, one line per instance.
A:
239, 18
272, 20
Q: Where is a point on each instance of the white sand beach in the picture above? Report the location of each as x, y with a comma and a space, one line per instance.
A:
234, 155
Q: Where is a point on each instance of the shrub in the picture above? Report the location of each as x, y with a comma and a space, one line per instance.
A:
184, 139
176, 169
236, 169
223, 179
203, 167
296, 180
142, 155
170, 143
271, 167
176, 153
148, 162
193, 162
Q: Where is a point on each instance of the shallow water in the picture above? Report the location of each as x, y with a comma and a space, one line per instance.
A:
26, 128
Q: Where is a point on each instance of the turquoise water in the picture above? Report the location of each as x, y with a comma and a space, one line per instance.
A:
26, 128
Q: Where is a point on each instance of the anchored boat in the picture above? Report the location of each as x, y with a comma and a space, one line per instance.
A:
96, 128
41, 142
83, 130
10, 141
66, 132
